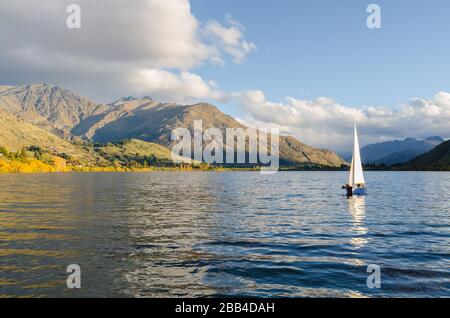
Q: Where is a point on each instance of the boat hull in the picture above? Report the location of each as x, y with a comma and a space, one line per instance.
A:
360, 191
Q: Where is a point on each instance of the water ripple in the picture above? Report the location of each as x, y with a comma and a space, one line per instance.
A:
224, 234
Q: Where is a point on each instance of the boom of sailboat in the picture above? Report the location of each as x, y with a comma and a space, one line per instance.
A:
356, 184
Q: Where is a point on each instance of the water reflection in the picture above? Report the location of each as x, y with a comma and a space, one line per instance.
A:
214, 234
166, 221
357, 209
50, 221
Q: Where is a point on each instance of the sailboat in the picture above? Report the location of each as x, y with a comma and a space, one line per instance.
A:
356, 182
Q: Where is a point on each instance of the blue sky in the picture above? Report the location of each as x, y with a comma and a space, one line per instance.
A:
317, 67
317, 48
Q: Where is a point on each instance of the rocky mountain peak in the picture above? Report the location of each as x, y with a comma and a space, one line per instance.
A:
48, 106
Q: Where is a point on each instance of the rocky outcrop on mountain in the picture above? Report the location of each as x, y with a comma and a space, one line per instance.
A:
50, 107
117, 113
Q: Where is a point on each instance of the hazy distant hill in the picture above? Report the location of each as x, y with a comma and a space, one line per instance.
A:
68, 115
437, 159
398, 151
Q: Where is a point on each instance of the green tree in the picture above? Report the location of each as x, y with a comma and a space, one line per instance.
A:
3, 151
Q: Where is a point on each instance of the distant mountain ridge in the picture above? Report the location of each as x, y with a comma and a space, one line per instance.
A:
74, 117
398, 151
437, 159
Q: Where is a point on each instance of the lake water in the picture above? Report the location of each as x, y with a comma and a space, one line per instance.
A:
224, 234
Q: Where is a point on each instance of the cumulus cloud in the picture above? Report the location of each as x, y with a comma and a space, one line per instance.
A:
181, 88
325, 123
230, 38
151, 32
118, 40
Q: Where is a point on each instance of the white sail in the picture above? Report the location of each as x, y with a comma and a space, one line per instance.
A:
352, 173
356, 171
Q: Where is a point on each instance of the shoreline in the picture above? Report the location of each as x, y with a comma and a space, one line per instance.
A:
226, 170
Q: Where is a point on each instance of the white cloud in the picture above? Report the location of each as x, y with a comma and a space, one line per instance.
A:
150, 32
325, 123
183, 88
117, 41
230, 39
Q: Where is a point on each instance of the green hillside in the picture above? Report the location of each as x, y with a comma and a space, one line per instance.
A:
133, 149
16, 134
138, 153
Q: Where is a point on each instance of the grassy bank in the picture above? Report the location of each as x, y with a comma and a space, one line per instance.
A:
37, 166
129, 156
33, 165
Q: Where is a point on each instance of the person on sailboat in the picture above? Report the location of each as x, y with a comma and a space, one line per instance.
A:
349, 190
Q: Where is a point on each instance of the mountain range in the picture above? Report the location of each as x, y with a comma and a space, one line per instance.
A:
398, 151
437, 159
52, 117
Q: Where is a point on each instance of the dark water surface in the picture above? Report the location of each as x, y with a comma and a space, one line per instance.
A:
224, 234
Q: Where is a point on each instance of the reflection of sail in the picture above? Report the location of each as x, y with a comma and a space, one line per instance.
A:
357, 208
